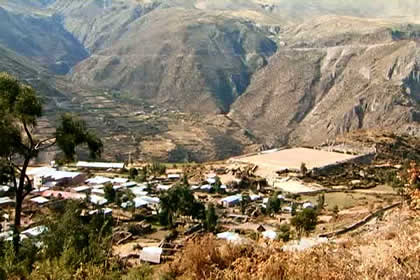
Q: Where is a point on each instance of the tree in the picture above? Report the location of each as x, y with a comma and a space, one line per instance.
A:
320, 202
273, 204
305, 221
244, 203
185, 180
303, 169
133, 172
19, 110
284, 233
109, 192
210, 222
179, 201
335, 210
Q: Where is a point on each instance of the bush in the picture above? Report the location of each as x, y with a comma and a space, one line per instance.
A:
284, 233
133, 172
109, 193
144, 272
273, 205
305, 221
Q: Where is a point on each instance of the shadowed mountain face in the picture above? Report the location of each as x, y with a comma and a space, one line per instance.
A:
40, 38
284, 72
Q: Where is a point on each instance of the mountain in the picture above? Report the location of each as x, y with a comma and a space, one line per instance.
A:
40, 38
195, 76
333, 82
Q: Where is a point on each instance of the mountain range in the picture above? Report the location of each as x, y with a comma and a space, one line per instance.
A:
202, 80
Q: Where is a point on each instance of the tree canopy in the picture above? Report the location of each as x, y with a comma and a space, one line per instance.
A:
20, 108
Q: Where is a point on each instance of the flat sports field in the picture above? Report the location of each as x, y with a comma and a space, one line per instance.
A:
269, 163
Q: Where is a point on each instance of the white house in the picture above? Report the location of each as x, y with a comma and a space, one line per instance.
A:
174, 176
98, 180
269, 234
231, 200
151, 254
100, 165
45, 175
6, 201
39, 200
308, 205
98, 200
230, 236
206, 188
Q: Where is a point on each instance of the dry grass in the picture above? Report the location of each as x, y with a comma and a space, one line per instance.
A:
391, 252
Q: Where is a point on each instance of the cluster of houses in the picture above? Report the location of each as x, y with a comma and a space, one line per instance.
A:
51, 184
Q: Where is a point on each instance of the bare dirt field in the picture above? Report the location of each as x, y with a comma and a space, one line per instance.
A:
269, 163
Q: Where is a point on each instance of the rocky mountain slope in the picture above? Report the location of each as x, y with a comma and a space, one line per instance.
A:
40, 38
282, 72
333, 83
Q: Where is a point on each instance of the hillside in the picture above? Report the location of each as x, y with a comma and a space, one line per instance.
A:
40, 38
334, 82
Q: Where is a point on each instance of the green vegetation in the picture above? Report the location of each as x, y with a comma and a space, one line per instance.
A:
74, 247
157, 169
305, 220
109, 192
273, 204
210, 223
179, 201
244, 203
284, 233
20, 109
133, 172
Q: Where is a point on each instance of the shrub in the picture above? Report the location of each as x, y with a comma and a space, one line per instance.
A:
109, 192
305, 221
133, 172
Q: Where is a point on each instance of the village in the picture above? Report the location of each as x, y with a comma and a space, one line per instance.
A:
255, 198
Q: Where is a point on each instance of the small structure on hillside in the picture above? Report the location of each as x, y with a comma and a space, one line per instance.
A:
151, 254
231, 200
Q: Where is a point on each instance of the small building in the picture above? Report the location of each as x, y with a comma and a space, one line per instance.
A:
6, 201
129, 184
231, 200
119, 181
39, 200
100, 165
82, 189
140, 202
270, 234
4, 189
105, 211
35, 231
98, 200
174, 176
308, 205
194, 188
98, 180
53, 177
206, 188
151, 254
63, 195
139, 191
229, 236
98, 191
